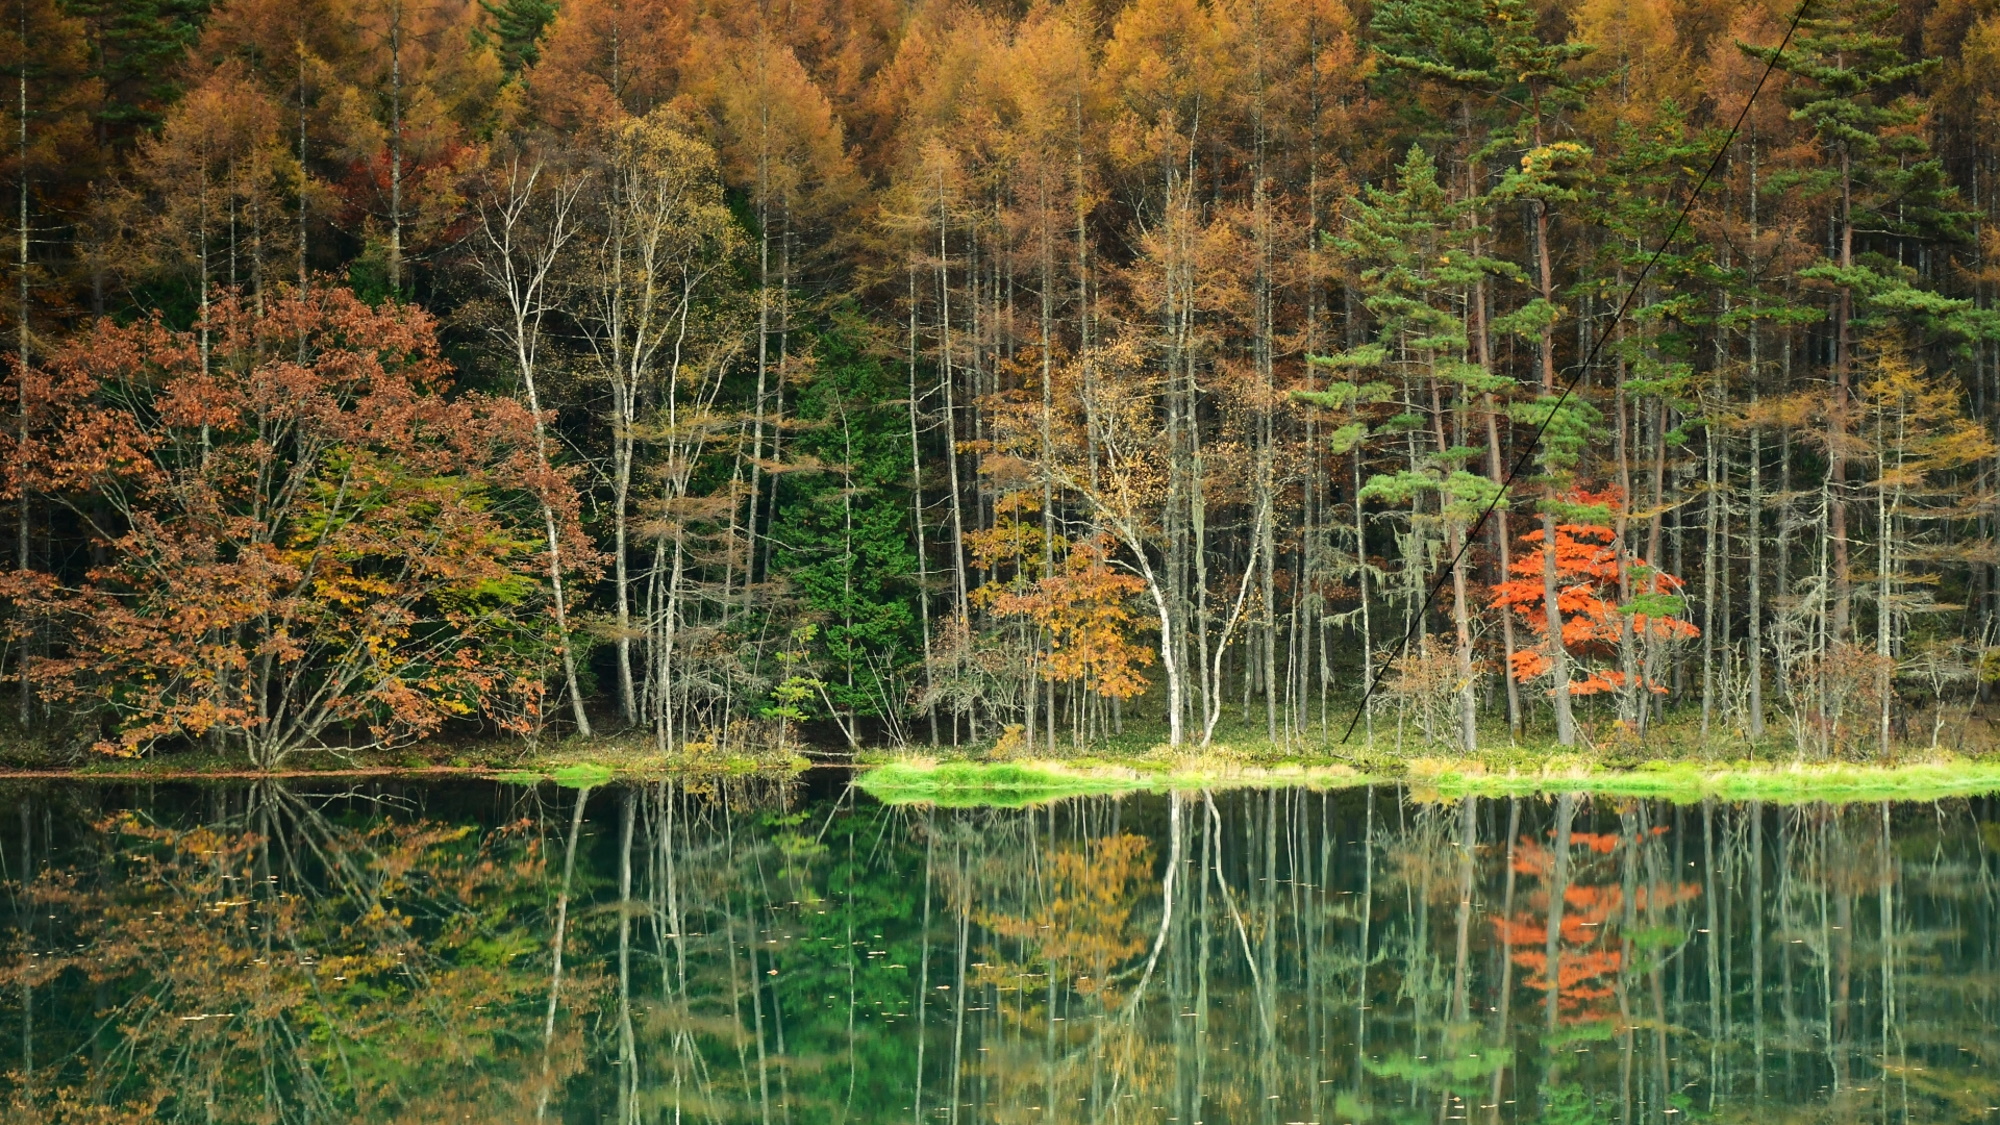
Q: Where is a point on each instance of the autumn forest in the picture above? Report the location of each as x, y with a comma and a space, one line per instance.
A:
732, 377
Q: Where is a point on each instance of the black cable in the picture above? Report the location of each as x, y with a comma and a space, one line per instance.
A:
1569, 385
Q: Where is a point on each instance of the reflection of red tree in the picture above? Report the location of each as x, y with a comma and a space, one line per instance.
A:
1589, 953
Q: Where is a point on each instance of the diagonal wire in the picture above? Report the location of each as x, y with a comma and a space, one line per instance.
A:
1527, 454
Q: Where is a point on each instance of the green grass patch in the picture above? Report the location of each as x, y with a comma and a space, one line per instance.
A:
1014, 784
994, 784
964, 784
1744, 781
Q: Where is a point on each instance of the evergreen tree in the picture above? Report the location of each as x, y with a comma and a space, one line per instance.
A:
136, 48
517, 30
1887, 189
842, 532
1416, 260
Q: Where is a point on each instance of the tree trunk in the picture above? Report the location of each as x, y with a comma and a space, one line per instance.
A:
1558, 653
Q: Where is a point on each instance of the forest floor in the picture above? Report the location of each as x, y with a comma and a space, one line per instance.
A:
1675, 761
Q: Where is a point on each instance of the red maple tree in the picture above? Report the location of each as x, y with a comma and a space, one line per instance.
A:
1591, 569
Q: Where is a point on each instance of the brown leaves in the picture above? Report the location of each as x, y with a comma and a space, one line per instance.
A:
362, 969
303, 540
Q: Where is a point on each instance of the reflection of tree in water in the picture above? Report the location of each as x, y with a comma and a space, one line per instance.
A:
280, 964
731, 951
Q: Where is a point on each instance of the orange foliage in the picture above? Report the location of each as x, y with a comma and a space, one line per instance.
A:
1589, 954
1590, 564
602, 60
1084, 923
1087, 608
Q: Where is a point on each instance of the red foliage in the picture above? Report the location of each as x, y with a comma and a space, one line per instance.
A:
1590, 564
1589, 953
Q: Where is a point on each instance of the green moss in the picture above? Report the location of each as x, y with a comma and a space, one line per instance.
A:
581, 775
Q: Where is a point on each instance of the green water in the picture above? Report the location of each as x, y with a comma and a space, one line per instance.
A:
758, 951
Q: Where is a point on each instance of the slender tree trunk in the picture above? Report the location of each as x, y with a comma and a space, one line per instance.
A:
1468, 842
959, 604
23, 556
1558, 653
299, 56
395, 263
917, 508
1552, 943
1837, 420
624, 450
1711, 561
628, 1053
1461, 612
1361, 585
556, 944
924, 979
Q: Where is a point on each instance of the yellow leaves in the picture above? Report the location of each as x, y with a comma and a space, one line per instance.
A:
1553, 157
1916, 424
1012, 542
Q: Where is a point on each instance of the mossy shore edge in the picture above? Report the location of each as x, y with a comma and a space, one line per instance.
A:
948, 782
978, 777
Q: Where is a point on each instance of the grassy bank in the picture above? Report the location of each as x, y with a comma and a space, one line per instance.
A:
1675, 762
568, 761
1016, 783
1012, 784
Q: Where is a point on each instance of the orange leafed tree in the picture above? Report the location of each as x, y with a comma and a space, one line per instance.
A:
299, 539
1604, 590
1087, 607
1084, 924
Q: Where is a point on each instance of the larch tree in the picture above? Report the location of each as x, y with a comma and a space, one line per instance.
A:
1854, 73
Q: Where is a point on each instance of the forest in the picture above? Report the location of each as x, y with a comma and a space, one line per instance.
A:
859, 373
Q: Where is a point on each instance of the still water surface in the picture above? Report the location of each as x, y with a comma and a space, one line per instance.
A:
794, 952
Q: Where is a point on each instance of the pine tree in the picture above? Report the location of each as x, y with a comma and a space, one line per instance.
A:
1415, 261
842, 532
517, 30
136, 47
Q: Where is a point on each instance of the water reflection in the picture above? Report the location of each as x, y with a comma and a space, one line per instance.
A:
792, 952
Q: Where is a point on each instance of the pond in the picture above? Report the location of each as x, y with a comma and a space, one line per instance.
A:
793, 951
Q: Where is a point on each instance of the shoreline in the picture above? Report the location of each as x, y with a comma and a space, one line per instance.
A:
955, 781
918, 780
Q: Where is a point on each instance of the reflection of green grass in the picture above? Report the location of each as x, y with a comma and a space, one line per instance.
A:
575, 775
